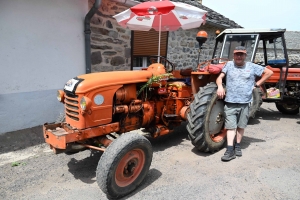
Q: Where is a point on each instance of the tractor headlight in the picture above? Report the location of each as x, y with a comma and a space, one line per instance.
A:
85, 103
60, 96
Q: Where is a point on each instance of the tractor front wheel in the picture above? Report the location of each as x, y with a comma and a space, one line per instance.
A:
124, 165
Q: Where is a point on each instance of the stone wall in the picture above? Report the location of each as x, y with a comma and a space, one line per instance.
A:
183, 46
110, 43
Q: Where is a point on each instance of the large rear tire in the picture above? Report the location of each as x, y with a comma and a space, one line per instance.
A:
286, 108
206, 120
124, 165
256, 102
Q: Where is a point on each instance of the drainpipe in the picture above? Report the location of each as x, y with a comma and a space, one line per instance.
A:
87, 31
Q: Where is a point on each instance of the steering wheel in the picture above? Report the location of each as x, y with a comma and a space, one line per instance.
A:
202, 66
259, 63
168, 64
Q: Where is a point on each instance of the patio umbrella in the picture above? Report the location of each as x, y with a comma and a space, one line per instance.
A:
161, 16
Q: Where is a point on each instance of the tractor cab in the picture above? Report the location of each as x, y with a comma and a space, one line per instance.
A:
265, 47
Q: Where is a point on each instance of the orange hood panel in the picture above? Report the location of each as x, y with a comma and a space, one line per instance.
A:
105, 79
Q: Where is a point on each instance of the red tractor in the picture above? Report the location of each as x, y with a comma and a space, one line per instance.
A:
103, 109
266, 47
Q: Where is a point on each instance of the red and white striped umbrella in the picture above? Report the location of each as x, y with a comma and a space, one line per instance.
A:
161, 16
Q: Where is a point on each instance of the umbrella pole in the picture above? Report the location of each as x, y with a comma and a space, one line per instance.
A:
159, 32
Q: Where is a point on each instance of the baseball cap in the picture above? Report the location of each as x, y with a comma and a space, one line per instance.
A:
240, 49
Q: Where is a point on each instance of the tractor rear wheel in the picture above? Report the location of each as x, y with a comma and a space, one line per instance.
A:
256, 102
206, 120
287, 108
124, 165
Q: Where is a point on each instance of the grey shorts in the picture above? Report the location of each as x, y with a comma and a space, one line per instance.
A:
236, 115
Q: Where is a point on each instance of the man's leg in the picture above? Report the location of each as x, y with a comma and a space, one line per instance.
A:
230, 136
242, 124
230, 124
239, 136
230, 153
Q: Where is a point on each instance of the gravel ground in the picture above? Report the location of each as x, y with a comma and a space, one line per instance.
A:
268, 169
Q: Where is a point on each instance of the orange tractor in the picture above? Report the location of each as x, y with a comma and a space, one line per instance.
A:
103, 109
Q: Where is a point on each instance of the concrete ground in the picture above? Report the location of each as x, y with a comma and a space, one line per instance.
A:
268, 169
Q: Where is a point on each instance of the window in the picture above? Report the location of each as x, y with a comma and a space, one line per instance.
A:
249, 41
139, 62
145, 44
275, 51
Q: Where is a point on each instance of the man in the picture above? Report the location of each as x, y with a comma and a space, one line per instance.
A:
240, 81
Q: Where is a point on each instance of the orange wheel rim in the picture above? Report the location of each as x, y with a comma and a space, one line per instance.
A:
220, 136
129, 167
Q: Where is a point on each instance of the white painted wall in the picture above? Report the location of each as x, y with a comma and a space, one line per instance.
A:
41, 47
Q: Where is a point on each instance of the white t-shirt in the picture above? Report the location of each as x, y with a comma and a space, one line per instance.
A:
240, 81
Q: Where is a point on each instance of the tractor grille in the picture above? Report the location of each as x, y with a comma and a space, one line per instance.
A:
72, 107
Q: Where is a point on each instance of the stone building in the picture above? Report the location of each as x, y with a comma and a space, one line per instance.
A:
50, 49
115, 48
47, 47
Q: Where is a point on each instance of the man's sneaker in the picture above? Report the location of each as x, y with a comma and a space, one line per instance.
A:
238, 151
228, 155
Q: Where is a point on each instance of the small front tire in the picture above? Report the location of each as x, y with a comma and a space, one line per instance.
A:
124, 165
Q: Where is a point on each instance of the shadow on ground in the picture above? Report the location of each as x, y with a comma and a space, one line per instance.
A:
172, 139
270, 114
17, 140
152, 176
247, 141
85, 169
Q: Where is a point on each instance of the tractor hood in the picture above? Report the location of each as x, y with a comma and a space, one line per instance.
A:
87, 82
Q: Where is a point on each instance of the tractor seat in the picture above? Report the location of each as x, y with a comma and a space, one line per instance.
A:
277, 63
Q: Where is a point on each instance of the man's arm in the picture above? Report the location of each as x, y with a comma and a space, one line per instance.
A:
220, 91
267, 73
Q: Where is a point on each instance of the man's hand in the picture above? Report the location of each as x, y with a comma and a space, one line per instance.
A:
221, 92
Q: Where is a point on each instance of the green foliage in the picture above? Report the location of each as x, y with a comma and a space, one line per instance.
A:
155, 79
15, 164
